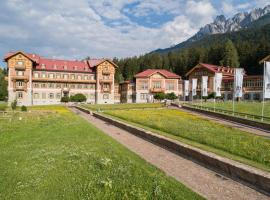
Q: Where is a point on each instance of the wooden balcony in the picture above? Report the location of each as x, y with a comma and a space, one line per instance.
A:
155, 90
105, 80
63, 80
19, 67
19, 78
106, 72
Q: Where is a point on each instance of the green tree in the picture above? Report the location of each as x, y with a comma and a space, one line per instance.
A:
230, 56
78, 98
171, 96
159, 96
65, 99
14, 105
3, 85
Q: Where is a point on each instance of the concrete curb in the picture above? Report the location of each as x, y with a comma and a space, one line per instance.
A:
255, 124
253, 177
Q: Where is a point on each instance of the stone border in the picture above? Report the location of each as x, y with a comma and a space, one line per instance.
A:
253, 177
247, 122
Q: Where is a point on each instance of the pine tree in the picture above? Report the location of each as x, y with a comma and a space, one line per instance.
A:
230, 57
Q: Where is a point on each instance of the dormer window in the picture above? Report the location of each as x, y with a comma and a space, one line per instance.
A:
75, 68
42, 66
65, 67
20, 63
54, 66
85, 68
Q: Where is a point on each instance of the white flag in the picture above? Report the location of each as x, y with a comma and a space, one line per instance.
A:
267, 80
217, 85
204, 86
238, 82
186, 88
194, 87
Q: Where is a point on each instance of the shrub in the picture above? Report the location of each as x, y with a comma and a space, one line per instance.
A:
78, 98
24, 108
159, 96
171, 96
65, 99
14, 104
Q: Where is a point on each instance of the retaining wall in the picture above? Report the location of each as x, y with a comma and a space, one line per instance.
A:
255, 178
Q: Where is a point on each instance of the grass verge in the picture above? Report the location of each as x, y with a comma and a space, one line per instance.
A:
102, 107
51, 153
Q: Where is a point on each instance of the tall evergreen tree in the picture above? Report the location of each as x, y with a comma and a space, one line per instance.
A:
3, 85
230, 57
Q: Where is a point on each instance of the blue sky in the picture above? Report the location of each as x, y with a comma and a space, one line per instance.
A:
96, 28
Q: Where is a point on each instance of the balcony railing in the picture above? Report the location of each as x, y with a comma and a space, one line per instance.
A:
63, 80
20, 67
157, 90
19, 78
106, 72
106, 80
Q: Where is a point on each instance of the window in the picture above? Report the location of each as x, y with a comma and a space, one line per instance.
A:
170, 86
58, 76
19, 73
36, 75
144, 85
43, 85
20, 63
43, 75
85, 77
106, 86
51, 75
75, 68
92, 77
58, 85
50, 85
79, 77
143, 96
65, 76
19, 95
79, 86
36, 85
36, 95
92, 86
85, 86
51, 96
19, 83
65, 67
42, 66
58, 96
72, 86
43, 95
72, 76
106, 96
156, 84
54, 66
106, 77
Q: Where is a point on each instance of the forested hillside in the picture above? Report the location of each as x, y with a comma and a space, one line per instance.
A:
252, 44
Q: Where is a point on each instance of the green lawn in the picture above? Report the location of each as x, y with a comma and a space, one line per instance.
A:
3, 106
254, 108
51, 153
225, 141
126, 106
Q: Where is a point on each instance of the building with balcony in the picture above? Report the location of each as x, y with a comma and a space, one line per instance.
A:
152, 81
252, 85
35, 80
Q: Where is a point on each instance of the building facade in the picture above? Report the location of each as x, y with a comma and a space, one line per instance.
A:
252, 85
34, 80
152, 81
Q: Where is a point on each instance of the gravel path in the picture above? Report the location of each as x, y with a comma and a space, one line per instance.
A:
202, 180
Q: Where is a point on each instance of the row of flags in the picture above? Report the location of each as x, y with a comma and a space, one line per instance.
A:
238, 83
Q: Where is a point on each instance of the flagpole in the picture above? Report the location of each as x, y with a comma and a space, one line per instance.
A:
264, 66
233, 90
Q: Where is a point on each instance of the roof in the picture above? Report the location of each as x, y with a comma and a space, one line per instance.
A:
229, 71
42, 63
267, 58
150, 72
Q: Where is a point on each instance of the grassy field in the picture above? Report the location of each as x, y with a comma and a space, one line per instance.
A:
126, 106
51, 153
225, 141
254, 108
3, 106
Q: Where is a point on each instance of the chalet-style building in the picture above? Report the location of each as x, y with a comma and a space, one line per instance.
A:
35, 80
152, 81
252, 85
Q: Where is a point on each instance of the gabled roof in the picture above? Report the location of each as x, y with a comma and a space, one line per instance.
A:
149, 72
42, 63
267, 58
213, 68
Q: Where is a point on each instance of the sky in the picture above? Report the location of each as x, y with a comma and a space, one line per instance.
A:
71, 29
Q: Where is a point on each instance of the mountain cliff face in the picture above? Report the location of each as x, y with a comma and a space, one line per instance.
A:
236, 23
221, 25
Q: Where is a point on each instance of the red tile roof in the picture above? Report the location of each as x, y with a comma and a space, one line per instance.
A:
226, 71
149, 72
59, 65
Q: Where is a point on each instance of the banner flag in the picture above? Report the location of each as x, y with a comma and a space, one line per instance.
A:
238, 82
217, 85
267, 80
204, 86
194, 87
186, 88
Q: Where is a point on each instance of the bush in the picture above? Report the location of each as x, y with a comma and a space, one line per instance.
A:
171, 96
78, 98
14, 104
65, 99
24, 108
159, 96
212, 95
